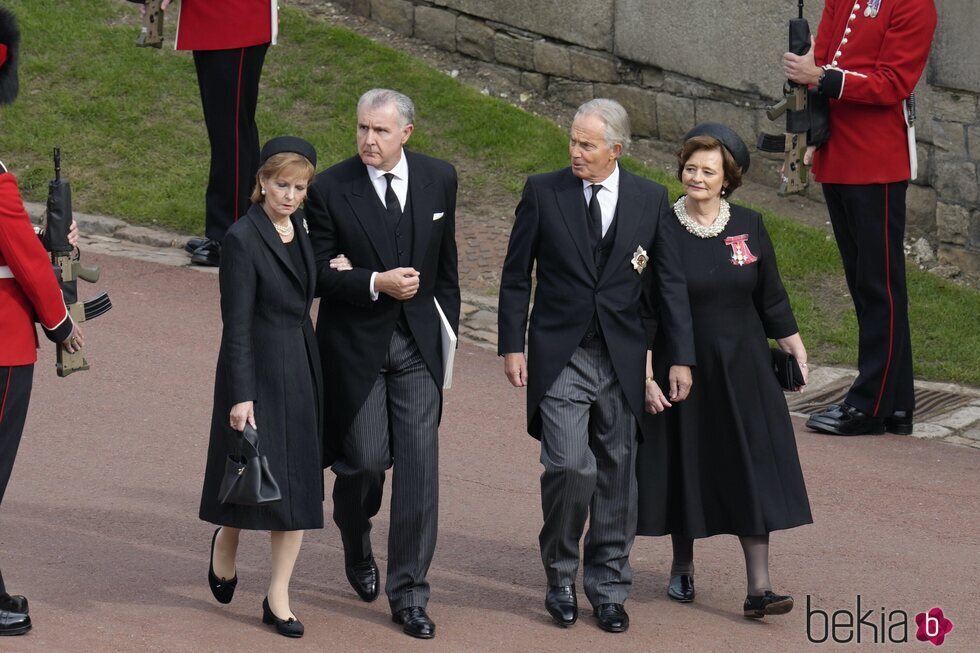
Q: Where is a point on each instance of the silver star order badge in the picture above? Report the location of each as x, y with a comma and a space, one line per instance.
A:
640, 259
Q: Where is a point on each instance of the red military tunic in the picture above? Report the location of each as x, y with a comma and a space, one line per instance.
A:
29, 290
214, 25
874, 64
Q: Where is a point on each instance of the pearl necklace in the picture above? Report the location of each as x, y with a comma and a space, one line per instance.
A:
695, 227
284, 231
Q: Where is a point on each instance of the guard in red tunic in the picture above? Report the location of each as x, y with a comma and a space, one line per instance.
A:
29, 293
868, 57
229, 40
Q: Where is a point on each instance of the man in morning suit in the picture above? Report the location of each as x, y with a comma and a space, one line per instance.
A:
867, 60
29, 293
591, 229
392, 213
229, 40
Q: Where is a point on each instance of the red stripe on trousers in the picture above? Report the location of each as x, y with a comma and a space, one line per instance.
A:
238, 102
3, 404
891, 310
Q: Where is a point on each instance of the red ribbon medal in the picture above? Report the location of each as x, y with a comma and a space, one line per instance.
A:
740, 250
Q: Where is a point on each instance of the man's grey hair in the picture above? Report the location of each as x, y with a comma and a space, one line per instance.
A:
380, 97
614, 115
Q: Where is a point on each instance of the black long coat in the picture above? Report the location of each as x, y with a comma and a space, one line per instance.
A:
346, 216
268, 355
551, 230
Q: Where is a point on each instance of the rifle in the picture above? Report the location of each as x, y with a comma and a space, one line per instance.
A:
58, 217
151, 33
794, 104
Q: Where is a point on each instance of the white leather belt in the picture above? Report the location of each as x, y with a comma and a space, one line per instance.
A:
5, 272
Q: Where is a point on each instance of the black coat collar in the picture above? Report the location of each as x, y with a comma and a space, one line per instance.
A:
304, 278
370, 212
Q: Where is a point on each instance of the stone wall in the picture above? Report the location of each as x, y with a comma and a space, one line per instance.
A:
674, 63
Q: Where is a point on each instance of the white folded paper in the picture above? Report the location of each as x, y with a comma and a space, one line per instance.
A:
448, 338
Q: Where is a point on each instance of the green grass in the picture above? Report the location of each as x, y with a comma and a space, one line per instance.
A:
130, 127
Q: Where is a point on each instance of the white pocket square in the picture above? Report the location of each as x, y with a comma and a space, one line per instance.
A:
438, 216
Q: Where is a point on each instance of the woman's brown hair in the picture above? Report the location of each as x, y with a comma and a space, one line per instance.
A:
275, 166
733, 174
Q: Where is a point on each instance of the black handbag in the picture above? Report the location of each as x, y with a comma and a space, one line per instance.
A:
247, 480
787, 370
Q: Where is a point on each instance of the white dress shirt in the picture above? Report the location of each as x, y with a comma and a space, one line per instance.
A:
399, 184
608, 197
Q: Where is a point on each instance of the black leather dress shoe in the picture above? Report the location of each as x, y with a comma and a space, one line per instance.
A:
193, 243
208, 254
757, 607
415, 622
285, 627
612, 617
681, 588
844, 419
15, 603
14, 623
562, 604
363, 577
899, 422
222, 588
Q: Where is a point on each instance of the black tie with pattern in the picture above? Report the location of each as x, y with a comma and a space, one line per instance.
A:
595, 212
391, 200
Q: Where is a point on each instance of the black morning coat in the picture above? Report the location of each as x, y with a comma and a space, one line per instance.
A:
551, 229
268, 355
346, 216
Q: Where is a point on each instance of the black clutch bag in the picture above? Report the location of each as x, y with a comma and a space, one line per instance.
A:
787, 370
247, 480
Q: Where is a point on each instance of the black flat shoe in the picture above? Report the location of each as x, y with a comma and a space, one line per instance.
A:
285, 627
562, 604
193, 244
415, 622
612, 617
363, 577
681, 588
14, 623
899, 422
14, 603
208, 254
757, 607
222, 588
845, 419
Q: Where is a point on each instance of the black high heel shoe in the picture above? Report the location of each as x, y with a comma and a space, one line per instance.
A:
222, 589
757, 607
285, 627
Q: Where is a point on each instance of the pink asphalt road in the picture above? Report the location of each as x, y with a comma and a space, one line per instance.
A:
100, 530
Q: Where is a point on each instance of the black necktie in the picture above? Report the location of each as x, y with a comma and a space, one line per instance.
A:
391, 200
595, 212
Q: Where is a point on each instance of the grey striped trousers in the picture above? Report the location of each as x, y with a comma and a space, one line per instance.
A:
588, 449
397, 426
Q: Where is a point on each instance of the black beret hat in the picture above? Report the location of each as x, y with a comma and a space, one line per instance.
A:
9, 49
281, 144
727, 137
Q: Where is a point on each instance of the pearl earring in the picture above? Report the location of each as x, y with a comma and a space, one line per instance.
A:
263, 190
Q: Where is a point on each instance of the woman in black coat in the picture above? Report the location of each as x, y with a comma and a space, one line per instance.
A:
268, 376
724, 461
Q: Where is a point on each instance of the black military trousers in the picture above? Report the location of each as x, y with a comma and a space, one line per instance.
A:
869, 225
15, 395
229, 84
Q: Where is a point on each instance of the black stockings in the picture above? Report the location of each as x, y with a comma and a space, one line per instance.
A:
755, 548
